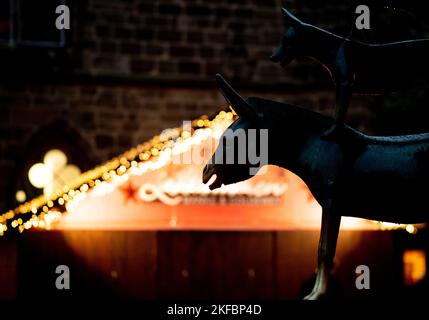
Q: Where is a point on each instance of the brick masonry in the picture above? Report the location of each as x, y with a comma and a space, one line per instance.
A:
133, 68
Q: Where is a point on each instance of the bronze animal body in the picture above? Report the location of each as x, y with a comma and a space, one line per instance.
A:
378, 178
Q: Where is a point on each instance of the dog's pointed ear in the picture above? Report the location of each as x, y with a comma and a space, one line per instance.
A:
238, 104
290, 18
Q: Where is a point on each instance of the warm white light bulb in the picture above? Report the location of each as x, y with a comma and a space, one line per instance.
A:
39, 175
411, 229
20, 196
55, 160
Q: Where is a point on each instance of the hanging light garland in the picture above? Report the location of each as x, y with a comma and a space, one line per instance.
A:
43, 211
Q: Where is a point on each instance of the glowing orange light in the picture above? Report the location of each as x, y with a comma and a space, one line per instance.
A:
414, 266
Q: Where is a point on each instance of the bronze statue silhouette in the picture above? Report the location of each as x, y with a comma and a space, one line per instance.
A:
377, 178
354, 66
416, 9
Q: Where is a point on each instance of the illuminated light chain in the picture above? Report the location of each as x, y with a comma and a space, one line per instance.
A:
386, 226
42, 212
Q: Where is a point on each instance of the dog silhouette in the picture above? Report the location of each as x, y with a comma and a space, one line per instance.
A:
354, 66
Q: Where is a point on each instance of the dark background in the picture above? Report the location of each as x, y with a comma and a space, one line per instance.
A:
126, 70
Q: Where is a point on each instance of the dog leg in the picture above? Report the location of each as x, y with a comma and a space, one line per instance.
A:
343, 98
327, 244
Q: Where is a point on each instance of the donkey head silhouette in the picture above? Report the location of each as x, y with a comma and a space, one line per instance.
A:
232, 162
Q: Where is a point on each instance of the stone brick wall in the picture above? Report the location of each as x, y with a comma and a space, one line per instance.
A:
186, 40
193, 39
133, 68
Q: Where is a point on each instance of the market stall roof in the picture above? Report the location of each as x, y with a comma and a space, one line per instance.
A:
157, 185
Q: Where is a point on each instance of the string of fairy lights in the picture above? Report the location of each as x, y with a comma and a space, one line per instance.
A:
43, 211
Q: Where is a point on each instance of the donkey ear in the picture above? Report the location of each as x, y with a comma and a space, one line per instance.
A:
240, 106
289, 17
